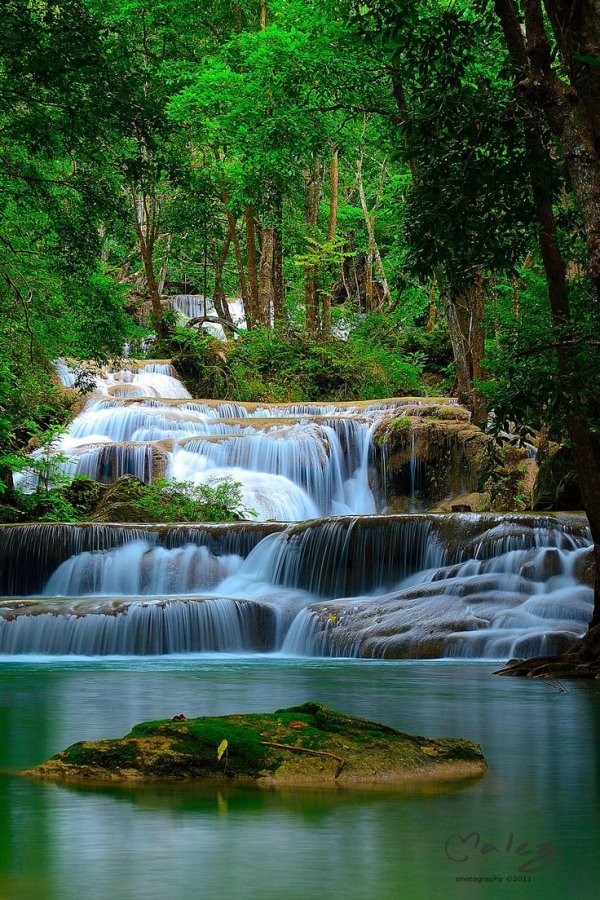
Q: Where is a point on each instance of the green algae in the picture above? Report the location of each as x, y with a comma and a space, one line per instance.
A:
302, 745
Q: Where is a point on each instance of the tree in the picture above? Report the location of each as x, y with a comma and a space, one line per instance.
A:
567, 106
57, 187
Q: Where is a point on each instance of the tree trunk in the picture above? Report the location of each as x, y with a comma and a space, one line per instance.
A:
334, 173
369, 217
311, 218
586, 453
146, 227
433, 310
252, 263
568, 112
278, 286
464, 313
459, 348
237, 251
266, 292
164, 269
219, 299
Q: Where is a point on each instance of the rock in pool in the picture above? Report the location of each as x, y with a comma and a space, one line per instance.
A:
304, 745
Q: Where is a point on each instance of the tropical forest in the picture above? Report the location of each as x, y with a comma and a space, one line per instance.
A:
299, 449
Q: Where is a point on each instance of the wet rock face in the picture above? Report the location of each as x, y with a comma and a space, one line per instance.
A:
440, 462
308, 744
424, 459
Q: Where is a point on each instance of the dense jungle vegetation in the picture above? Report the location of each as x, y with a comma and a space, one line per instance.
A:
405, 198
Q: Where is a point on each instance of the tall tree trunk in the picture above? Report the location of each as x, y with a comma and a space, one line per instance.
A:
311, 218
164, 269
334, 175
586, 453
219, 299
433, 310
567, 108
369, 217
459, 346
252, 263
278, 286
239, 260
266, 292
464, 313
153, 289
146, 227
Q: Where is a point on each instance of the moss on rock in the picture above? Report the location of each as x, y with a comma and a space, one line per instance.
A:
302, 745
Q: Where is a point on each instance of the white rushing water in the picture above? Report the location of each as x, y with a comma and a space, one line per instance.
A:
292, 462
401, 586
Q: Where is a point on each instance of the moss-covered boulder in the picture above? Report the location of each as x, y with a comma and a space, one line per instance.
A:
302, 745
120, 502
434, 458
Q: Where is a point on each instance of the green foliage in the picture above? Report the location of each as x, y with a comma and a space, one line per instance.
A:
525, 388
173, 501
402, 423
275, 365
429, 350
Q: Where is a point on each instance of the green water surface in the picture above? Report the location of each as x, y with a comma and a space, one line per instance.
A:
174, 842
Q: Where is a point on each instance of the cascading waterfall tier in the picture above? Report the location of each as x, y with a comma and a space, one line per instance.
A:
421, 586
293, 461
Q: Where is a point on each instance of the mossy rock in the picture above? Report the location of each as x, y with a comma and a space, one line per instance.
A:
84, 494
119, 502
302, 745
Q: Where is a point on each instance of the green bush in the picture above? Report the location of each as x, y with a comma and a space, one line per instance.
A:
173, 501
287, 365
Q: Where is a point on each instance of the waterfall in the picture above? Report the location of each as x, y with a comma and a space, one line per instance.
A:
318, 572
30, 554
370, 586
142, 629
292, 461
193, 306
65, 373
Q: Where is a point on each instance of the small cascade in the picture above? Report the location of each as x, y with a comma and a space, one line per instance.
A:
515, 592
416, 586
195, 306
140, 568
65, 373
30, 554
290, 473
140, 628
107, 462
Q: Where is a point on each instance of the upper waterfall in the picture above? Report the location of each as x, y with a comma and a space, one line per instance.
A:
292, 461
